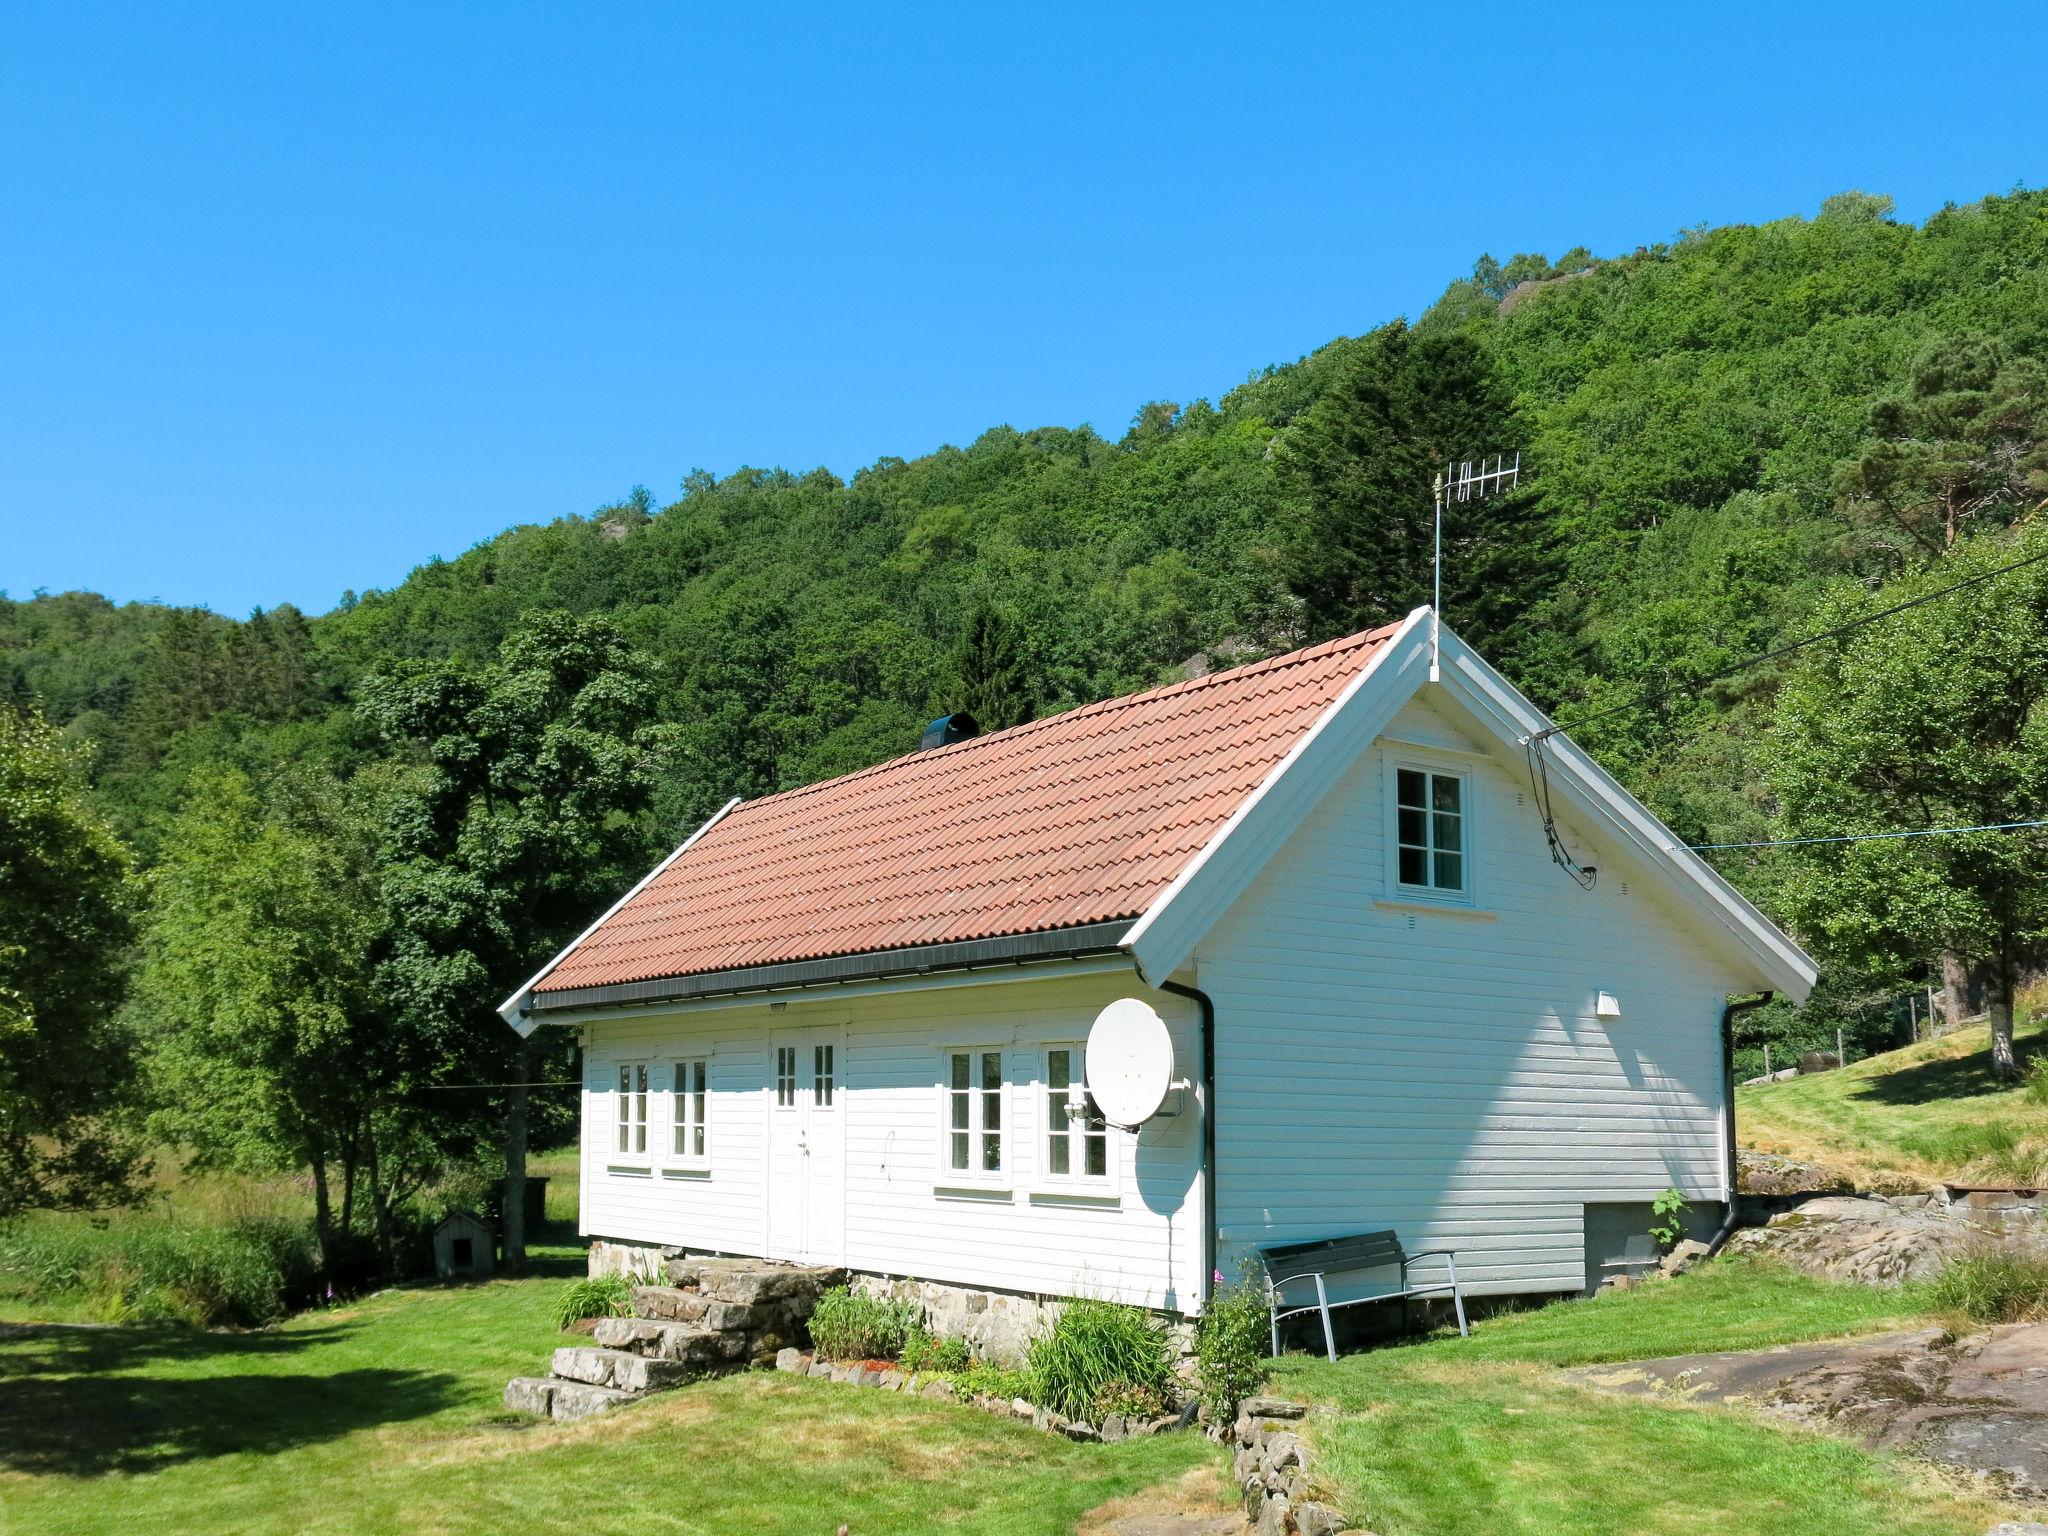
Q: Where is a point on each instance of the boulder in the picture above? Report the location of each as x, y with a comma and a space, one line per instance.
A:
1765, 1173
1272, 1408
790, 1360
1313, 1519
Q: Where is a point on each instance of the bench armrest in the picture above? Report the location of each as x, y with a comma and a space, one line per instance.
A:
1434, 1253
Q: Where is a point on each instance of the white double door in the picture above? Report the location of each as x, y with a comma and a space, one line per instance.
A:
807, 1145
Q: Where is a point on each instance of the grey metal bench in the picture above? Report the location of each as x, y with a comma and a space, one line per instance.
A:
1365, 1252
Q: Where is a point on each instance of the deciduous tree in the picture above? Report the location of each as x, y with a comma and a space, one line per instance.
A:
1936, 718
65, 1064
535, 768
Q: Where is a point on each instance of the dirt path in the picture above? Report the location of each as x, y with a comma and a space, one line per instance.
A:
1978, 1403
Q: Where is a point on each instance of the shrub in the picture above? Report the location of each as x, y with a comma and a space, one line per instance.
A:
1093, 1346
1667, 1225
1998, 1283
924, 1352
149, 1270
1129, 1401
599, 1296
982, 1379
1231, 1339
848, 1325
2037, 1081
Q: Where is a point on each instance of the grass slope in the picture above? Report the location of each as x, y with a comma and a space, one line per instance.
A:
1925, 1113
385, 1417
1480, 1435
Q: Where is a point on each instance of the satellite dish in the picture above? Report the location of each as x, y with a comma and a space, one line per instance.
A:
1128, 1063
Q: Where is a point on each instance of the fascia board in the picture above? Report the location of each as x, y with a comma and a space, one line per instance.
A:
1166, 934
513, 1009
1595, 794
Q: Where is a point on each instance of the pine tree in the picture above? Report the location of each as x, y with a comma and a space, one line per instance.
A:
1360, 463
992, 681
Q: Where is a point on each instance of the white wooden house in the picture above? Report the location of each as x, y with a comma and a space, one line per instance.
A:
845, 1023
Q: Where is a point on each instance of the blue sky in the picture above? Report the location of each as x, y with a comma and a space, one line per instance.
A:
293, 298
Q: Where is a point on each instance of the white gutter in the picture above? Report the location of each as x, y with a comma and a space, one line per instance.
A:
513, 1009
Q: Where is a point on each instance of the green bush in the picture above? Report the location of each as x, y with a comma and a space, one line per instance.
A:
924, 1352
1093, 1346
149, 1270
2037, 1082
1231, 1340
847, 1325
599, 1296
982, 1379
2001, 1283
1128, 1401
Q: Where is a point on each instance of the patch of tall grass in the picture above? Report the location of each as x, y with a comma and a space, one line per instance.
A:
1997, 1151
1097, 1354
1996, 1283
851, 1325
152, 1269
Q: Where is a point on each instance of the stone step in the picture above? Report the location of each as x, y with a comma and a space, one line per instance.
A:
750, 1281
659, 1340
619, 1368
673, 1304
548, 1397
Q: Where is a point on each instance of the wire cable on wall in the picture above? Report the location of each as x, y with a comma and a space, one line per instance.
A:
1586, 875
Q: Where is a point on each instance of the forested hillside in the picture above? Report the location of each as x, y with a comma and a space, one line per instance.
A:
1715, 430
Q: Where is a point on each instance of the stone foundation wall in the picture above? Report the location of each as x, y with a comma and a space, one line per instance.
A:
645, 1262
997, 1325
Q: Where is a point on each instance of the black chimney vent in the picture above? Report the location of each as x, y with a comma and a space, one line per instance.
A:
947, 729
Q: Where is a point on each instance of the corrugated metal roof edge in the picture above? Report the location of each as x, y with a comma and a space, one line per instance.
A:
963, 954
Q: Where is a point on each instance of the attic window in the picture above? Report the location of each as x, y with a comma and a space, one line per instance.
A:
1429, 831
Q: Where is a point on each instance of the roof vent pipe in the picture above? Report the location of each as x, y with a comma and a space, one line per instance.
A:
947, 729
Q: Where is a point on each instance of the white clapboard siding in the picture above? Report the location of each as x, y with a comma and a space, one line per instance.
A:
1440, 1071
1139, 1240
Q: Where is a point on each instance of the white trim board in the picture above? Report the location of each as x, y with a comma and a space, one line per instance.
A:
1164, 938
513, 1009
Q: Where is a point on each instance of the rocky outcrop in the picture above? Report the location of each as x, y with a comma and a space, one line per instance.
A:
1979, 1404
1767, 1174
1870, 1239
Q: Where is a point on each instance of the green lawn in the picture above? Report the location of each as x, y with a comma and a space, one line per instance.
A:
385, 1417
1927, 1112
1480, 1435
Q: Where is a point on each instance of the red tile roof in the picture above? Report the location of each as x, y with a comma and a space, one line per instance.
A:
1084, 817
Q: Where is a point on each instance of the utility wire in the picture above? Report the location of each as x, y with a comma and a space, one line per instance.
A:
1866, 837
443, 1087
1658, 695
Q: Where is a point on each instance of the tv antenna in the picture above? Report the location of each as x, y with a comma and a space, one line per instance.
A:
1463, 481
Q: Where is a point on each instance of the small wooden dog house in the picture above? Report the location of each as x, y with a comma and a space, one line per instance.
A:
464, 1245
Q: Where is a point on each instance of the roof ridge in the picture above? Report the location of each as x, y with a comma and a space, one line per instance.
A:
1099, 706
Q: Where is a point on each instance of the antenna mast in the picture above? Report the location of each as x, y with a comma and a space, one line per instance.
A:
1462, 482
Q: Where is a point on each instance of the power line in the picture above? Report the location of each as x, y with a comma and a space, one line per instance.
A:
1658, 695
1866, 837
445, 1087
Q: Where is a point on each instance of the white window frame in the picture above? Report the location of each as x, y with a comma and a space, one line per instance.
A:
629, 1110
784, 1055
1053, 1101
824, 1067
690, 1112
1467, 813
979, 1098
